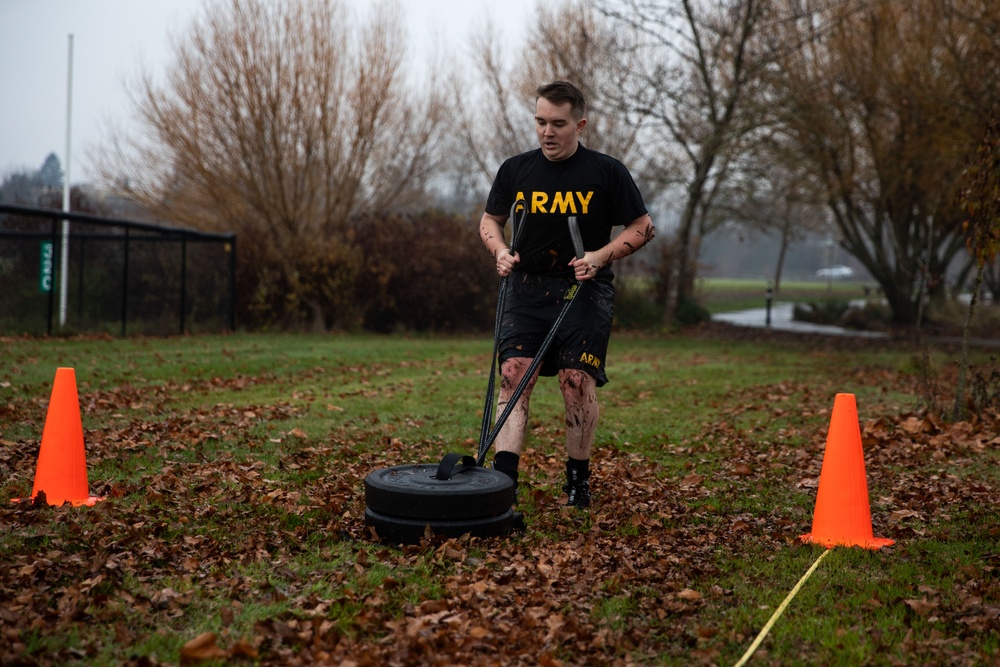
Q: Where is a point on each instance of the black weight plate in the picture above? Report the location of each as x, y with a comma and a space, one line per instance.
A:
411, 531
413, 491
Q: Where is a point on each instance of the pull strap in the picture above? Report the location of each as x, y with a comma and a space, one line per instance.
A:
447, 468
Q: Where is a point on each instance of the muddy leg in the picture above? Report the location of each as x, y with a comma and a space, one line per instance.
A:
511, 436
579, 390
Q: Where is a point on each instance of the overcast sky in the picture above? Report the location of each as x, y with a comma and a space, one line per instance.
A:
114, 39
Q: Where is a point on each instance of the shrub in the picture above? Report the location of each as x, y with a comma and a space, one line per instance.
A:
984, 389
635, 305
382, 273
425, 273
821, 312
690, 312
312, 284
871, 316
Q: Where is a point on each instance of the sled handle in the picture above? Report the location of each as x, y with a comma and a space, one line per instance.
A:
448, 468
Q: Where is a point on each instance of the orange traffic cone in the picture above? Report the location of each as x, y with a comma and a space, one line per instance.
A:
843, 515
61, 473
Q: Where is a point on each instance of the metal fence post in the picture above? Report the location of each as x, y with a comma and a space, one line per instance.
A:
232, 283
81, 248
183, 280
52, 289
125, 282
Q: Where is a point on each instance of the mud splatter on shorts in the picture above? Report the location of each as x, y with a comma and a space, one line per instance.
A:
532, 305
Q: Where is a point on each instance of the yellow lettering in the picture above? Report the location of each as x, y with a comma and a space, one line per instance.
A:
520, 196
538, 201
590, 360
564, 203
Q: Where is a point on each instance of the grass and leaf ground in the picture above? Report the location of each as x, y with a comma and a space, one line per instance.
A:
233, 527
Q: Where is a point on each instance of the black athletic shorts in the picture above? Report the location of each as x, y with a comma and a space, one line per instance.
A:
531, 307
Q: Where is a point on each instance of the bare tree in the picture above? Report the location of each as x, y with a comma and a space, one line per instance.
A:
873, 96
980, 184
971, 34
694, 71
281, 121
767, 196
568, 40
969, 40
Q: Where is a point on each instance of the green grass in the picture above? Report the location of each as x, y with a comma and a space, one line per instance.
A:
234, 469
721, 295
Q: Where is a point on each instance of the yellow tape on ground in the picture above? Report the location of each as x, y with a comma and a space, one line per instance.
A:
779, 611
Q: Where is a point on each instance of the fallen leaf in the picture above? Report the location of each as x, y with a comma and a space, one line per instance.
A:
692, 480
201, 648
922, 607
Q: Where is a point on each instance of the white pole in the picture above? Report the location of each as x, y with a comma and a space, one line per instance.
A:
64, 256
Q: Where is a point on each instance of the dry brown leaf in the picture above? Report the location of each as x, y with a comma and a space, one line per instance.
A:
921, 607
692, 480
202, 647
243, 649
912, 425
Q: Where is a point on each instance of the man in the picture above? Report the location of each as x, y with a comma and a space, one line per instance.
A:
561, 178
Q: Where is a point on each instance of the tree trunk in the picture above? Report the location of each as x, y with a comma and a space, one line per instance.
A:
958, 410
680, 280
782, 250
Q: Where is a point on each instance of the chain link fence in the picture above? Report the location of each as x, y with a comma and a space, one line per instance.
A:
74, 272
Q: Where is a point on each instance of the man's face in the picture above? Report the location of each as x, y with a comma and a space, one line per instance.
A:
558, 132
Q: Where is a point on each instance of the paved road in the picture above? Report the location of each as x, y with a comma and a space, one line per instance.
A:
781, 320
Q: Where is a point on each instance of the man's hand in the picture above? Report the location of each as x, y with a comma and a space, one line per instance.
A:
506, 261
587, 266
636, 234
491, 234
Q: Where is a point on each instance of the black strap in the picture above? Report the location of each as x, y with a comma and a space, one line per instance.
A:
487, 434
447, 467
518, 213
487, 441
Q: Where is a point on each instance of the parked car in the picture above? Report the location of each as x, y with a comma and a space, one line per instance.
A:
835, 271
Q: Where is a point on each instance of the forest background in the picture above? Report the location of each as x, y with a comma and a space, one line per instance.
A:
847, 131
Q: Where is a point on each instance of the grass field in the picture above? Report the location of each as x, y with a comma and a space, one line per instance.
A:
726, 294
233, 525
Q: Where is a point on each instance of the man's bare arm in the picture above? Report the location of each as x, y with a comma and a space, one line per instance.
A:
491, 234
636, 234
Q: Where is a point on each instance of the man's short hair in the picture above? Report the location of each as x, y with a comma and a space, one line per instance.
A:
561, 92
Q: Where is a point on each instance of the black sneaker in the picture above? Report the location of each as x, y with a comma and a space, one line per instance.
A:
577, 493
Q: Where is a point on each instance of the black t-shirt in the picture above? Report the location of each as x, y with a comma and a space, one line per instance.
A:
594, 187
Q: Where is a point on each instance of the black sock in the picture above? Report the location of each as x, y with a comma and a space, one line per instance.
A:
507, 462
577, 469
